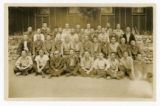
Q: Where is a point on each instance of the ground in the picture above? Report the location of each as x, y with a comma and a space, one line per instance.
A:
76, 87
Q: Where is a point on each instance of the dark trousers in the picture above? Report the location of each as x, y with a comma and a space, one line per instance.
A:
126, 71
99, 73
25, 71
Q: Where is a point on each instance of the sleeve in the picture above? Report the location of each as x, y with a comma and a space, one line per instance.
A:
107, 64
46, 58
81, 63
131, 63
95, 64
30, 61
35, 37
18, 62
37, 59
42, 37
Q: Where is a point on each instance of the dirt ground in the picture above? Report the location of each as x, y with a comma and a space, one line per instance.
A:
76, 87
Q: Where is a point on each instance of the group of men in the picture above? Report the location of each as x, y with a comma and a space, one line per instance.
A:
101, 52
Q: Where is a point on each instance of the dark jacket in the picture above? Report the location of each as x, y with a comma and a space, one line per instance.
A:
132, 37
21, 46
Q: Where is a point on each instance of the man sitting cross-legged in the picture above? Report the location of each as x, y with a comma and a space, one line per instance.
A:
23, 65
42, 65
86, 64
72, 64
126, 65
100, 66
113, 71
57, 65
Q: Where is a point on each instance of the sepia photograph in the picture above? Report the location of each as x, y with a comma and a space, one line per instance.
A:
79, 52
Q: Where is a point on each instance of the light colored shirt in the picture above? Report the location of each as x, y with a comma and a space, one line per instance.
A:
86, 63
25, 46
118, 32
127, 63
128, 36
36, 35
73, 37
113, 47
113, 64
105, 35
24, 62
42, 60
101, 64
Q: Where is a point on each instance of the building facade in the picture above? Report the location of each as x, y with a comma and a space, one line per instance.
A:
22, 17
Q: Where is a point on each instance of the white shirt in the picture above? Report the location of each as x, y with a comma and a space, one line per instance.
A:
113, 47
25, 46
127, 63
41, 60
36, 35
105, 35
101, 64
128, 35
73, 37
113, 64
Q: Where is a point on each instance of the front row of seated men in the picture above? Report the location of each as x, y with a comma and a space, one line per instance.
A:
86, 66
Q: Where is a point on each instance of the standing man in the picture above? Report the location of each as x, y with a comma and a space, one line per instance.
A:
128, 35
38, 34
29, 33
119, 33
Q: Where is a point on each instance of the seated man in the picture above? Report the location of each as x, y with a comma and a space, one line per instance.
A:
48, 45
23, 65
37, 46
118, 31
134, 49
42, 65
77, 47
25, 44
113, 64
57, 65
122, 47
100, 66
113, 45
72, 64
96, 47
66, 46
88, 45
86, 64
126, 65
105, 47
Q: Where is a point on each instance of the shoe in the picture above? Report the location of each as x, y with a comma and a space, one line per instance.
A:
18, 73
108, 77
50, 76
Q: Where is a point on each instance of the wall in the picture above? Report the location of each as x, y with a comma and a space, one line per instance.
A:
20, 18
